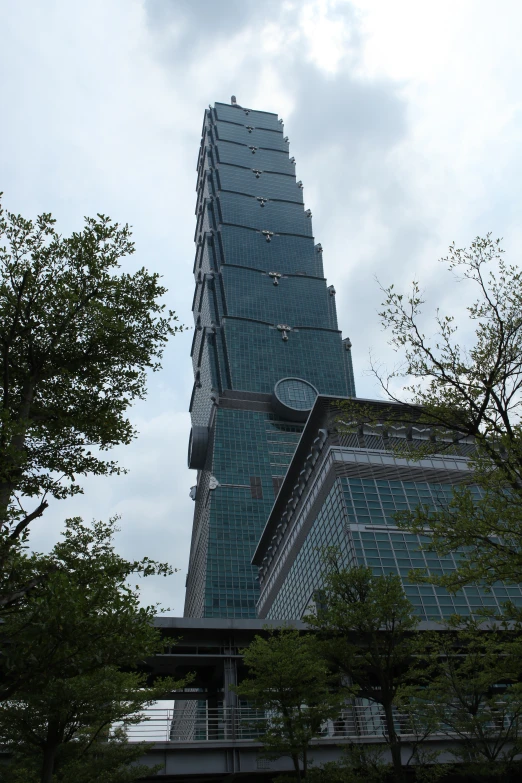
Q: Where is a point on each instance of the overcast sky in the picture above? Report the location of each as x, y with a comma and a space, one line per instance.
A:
405, 120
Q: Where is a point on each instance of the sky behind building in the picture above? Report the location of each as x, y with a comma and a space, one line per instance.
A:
404, 118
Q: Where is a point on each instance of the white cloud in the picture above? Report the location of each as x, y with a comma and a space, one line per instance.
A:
327, 34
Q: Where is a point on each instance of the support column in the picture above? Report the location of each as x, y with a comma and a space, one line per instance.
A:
229, 696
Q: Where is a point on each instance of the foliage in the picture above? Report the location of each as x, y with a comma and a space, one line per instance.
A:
362, 763
70, 652
76, 340
486, 528
465, 396
85, 615
358, 764
366, 627
62, 731
292, 684
468, 683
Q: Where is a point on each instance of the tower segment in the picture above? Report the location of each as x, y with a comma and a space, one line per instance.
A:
266, 342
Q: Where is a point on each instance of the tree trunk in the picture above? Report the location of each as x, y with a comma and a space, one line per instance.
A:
50, 747
48, 763
297, 766
16, 445
393, 739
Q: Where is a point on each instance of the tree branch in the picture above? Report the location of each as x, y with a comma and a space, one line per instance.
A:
16, 595
21, 526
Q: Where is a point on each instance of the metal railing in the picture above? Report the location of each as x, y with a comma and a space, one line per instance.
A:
154, 726
196, 723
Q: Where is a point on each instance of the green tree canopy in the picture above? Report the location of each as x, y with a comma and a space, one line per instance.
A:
85, 614
469, 393
76, 729
77, 337
467, 684
69, 659
365, 625
291, 682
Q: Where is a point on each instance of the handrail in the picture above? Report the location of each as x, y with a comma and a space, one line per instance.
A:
193, 722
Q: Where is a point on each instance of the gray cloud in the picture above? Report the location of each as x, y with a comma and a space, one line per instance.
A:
205, 17
196, 26
104, 104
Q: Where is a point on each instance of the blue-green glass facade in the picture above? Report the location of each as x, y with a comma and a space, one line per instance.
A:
263, 312
350, 520
351, 490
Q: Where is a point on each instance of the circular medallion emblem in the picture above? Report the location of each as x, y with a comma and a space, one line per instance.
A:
293, 398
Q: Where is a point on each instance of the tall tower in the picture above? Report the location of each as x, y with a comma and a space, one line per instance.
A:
265, 344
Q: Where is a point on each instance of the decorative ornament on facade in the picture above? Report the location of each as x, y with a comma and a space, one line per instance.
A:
319, 248
308, 213
286, 139
267, 235
331, 290
284, 328
300, 184
292, 160
192, 492
213, 483
250, 128
257, 172
275, 276
262, 201
281, 121
293, 398
253, 150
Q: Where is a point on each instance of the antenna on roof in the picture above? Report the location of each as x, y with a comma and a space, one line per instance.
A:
233, 100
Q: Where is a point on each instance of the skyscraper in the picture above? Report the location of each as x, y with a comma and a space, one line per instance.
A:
266, 343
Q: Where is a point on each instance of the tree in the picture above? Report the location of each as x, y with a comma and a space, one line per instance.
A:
76, 340
466, 394
366, 628
292, 684
70, 653
358, 764
85, 615
467, 682
64, 730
